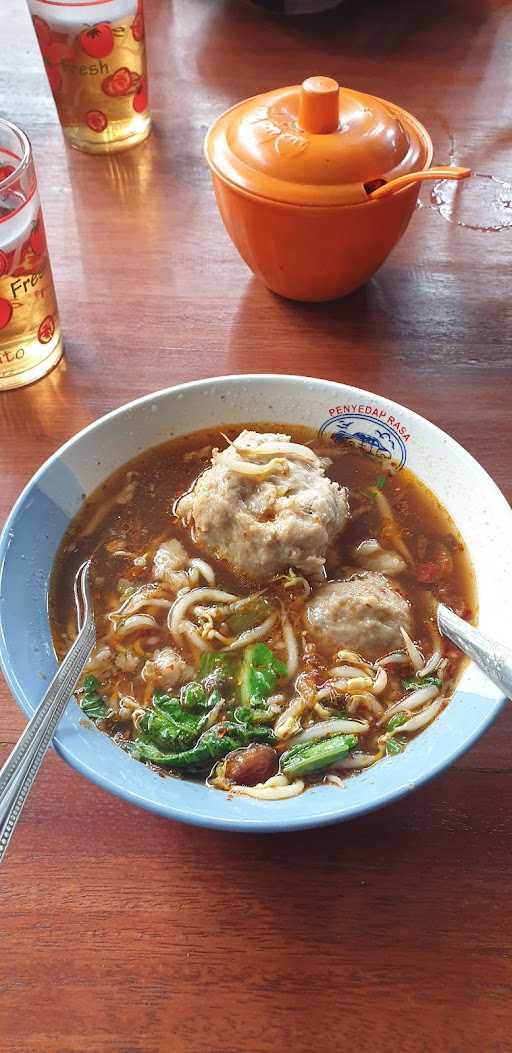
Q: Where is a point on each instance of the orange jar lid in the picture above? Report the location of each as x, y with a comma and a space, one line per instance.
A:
315, 144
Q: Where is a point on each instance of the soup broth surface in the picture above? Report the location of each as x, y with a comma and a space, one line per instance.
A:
123, 524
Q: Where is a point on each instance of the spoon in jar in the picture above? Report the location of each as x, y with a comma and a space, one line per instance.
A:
492, 658
22, 765
438, 172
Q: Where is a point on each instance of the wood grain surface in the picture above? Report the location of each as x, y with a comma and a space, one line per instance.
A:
121, 932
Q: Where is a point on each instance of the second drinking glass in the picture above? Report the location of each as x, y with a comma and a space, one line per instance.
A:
95, 60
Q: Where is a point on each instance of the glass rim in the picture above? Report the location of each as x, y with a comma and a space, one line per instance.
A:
25, 156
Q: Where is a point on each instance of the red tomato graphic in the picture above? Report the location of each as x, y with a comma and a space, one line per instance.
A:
55, 52
5, 262
46, 330
6, 170
106, 85
121, 81
37, 238
43, 31
137, 26
96, 120
54, 78
5, 313
140, 99
98, 41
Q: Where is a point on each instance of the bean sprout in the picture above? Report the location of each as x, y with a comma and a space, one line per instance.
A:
421, 719
291, 580
334, 780
292, 648
289, 721
431, 666
251, 635
390, 525
358, 760
355, 659
415, 655
189, 630
340, 672
413, 701
365, 699
352, 686
190, 599
279, 449
326, 728
395, 658
259, 471
381, 682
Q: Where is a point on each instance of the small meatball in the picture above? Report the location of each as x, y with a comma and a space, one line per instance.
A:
251, 765
170, 559
127, 661
362, 614
265, 505
100, 660
168, 668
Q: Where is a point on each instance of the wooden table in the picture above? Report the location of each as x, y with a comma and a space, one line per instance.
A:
124, 933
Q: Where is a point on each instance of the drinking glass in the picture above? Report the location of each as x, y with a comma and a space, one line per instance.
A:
30, 337
95, 60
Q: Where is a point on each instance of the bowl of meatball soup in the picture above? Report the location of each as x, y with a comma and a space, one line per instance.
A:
268, 553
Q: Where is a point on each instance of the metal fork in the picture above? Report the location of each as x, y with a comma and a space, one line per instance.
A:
22, 765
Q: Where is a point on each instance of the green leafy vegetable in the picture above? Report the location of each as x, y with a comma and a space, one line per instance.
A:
380, 482
224, 664
170, 727
253, 715
194, 696
394, 746
171, 733
259, 674
213, 744
411, 683
93, 704
308, 757
397, 721
167, 704
248, 616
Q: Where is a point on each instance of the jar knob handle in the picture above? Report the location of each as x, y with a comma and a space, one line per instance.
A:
319, 105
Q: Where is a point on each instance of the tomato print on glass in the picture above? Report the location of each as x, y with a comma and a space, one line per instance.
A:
30, 338
95, 59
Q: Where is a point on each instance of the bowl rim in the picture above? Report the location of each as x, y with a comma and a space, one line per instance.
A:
262, 823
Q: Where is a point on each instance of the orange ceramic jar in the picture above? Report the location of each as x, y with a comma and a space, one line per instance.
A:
294, 172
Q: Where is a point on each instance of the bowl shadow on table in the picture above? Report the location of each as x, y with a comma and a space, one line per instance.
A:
360, 338
357, 29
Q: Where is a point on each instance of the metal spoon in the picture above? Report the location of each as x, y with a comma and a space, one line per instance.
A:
22, 765
492, 658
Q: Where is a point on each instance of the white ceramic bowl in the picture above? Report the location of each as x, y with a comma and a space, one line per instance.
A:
44, 509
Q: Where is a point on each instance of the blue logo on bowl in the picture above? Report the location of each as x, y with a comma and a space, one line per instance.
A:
370, 434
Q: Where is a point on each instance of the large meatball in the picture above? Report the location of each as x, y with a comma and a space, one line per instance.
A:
264, 505
363, 614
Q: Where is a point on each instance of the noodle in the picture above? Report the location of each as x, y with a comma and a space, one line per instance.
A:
240, 638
